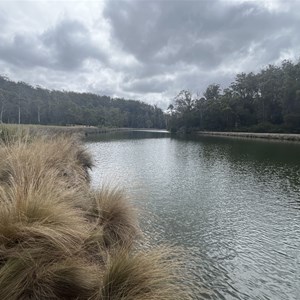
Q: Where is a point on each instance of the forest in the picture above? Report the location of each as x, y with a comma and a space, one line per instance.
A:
268, 101
22, 103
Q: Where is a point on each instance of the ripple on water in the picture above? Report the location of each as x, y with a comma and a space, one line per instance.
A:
233, 205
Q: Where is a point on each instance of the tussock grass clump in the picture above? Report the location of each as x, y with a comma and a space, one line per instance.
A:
111, 213
42, 217
142, 276
32, 160
61, 239
26, 278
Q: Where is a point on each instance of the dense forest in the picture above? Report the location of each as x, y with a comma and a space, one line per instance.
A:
268, 101
24, 104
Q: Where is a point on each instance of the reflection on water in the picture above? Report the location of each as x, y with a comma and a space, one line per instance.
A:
234, 205
125, 135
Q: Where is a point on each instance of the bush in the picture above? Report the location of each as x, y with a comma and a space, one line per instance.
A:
292, 122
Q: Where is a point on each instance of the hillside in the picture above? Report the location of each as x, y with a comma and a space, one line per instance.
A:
23, 103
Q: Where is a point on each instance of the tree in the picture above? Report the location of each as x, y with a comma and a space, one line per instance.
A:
2, 104
21, 103
184, 110
212, 92
184, 102
268, 100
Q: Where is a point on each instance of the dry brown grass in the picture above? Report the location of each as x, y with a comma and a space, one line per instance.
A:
43, 217
10, 133
60, 239
33, 159
112, 213
26, 278
142, 276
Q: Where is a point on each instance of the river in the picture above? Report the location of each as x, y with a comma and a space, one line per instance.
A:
232, 204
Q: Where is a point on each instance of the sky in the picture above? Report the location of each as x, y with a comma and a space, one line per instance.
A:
147, 50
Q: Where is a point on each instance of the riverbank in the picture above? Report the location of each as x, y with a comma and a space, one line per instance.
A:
81, 130
12, 129
63, 238
253, 135
10, 132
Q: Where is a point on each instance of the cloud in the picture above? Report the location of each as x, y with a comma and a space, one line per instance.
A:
196, 32
157, 84
65, 46
3, 19
196, 43
70, 43
23, 52
147, 50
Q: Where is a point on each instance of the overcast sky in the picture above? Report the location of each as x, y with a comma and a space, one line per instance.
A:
144, 49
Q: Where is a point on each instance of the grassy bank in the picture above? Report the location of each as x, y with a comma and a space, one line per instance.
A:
270, 136
62, 239
12, 131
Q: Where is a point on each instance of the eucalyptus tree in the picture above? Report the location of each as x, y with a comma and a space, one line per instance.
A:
271, 94
2, 103
184, 105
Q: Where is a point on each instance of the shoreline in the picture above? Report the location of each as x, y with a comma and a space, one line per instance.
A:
81, 130
85, 130
91, 130
88, 130
252, 135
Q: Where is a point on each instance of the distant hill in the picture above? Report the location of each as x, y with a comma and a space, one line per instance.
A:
23, 103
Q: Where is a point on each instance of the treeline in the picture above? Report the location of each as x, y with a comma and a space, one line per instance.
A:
268, 101
23, 103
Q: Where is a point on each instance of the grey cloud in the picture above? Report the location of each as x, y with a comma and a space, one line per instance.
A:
196, 32
3, 19
151, 70
149, 85
277, 44
70, 44
22, 51
65, 46
152, 48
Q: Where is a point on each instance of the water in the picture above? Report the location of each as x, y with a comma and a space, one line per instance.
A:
233, 204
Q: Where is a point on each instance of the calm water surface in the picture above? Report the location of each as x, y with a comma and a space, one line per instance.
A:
233, 204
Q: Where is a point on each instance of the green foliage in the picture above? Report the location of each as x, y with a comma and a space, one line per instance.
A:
292, 122
22, 103
264, 127
268, 101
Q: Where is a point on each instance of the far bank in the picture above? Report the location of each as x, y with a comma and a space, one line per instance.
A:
269, 136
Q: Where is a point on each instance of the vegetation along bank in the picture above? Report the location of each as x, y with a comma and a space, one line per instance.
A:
269, 136
60, 238
268, 101
22, 103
